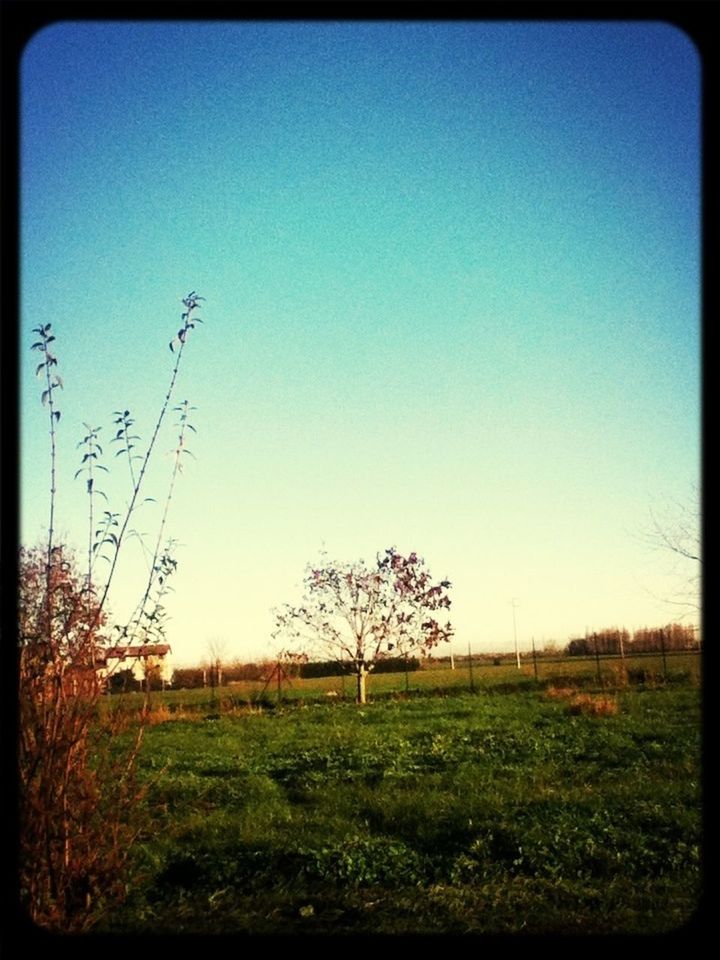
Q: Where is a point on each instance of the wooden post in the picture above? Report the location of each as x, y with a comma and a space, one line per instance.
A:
597, 660
470, 668
662, 648
534, 653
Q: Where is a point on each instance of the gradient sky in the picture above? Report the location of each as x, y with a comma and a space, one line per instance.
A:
452, 304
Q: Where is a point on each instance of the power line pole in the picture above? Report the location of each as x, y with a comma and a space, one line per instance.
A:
513, 604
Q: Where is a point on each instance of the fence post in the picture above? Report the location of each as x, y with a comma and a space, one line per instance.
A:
534, 653
662, 648
597, 659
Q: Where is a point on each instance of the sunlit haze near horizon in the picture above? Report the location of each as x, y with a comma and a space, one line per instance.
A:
452, 282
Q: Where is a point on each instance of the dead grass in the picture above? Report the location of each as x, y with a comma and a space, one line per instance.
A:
594, 706
162, 714
560, 693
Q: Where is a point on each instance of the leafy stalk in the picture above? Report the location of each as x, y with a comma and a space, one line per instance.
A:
93, 451
159, 570
191, 303
52, 381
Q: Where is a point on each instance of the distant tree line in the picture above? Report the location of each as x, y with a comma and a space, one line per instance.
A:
674, 636
188, 678
334, 668
612, 641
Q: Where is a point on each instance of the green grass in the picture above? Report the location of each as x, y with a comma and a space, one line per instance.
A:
486, 813
644, 670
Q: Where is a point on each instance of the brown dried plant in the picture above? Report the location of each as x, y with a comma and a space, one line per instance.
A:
594, 706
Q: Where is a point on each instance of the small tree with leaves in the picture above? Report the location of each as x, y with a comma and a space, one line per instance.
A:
359, 614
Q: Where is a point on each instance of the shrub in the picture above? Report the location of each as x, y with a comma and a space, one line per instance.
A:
78, 795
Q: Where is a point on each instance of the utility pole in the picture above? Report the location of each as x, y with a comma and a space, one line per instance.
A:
513, 604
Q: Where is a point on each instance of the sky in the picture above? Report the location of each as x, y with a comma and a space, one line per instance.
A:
451, 274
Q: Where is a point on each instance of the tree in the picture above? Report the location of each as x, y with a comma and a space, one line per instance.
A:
359, 614
676, 532
214, 669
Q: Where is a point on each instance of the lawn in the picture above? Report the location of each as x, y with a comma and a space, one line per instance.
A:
492, 812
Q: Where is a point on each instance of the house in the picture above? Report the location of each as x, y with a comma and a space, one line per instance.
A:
140, 660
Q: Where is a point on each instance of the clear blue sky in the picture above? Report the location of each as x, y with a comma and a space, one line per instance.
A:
453, 304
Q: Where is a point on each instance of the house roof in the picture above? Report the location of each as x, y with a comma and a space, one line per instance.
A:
134, 653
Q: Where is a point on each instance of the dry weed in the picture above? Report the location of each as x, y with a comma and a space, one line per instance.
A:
599, 706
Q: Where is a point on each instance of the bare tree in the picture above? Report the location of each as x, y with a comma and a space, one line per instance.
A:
676, 531
358, 614
214, 669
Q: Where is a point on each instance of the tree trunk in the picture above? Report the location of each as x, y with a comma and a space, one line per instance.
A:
361, 678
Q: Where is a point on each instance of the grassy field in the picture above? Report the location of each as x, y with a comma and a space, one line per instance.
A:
482, 677
509, 810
